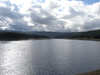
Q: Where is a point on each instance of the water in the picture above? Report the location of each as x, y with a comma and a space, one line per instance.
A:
48, 57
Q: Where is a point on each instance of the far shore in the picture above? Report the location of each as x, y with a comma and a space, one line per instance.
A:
22, 35
96, 72
39, 38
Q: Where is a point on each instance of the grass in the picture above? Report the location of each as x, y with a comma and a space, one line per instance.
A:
97, 72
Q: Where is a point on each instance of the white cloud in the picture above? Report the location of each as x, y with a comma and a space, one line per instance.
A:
54, 15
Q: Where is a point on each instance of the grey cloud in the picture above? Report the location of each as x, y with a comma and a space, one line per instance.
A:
46, 17
98, 10
17, 18
6, 12
93, 24
74, 13
53, 5
20, 27
47, 20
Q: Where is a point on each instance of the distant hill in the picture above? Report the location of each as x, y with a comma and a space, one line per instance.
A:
15, 35
18, 35
94, 34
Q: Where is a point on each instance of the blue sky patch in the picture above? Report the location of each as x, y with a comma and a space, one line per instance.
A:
90, 1
41, 0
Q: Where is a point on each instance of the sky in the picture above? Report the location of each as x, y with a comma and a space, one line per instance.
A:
50, 15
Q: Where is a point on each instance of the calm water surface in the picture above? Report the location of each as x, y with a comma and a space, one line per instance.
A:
48, 57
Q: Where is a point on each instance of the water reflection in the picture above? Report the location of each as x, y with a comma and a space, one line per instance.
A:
13, 58
48, 57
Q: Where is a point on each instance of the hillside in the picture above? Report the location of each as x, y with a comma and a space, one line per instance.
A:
95, 34
18, 35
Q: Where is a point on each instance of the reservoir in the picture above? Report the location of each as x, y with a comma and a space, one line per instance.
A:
49, 57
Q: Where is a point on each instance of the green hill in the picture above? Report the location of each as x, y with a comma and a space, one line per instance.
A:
18, 35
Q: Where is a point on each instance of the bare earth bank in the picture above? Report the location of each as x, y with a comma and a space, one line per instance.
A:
97, 72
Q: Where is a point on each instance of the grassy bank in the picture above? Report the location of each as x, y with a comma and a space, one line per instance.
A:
97, 72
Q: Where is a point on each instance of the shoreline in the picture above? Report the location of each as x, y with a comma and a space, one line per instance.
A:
96, 72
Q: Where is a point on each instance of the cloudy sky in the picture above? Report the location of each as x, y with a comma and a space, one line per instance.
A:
50, 15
